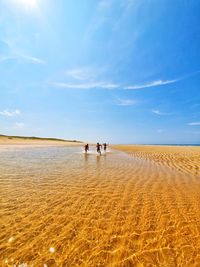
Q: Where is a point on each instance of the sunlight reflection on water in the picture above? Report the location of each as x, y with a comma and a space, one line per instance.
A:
61, 207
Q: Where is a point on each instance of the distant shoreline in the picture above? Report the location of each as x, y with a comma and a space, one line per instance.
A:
26, 140
156, 145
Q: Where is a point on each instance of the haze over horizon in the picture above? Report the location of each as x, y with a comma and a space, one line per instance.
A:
123, 71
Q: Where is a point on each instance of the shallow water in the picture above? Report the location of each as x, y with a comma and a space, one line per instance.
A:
60, 207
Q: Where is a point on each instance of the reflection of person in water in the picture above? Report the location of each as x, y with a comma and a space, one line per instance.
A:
105, 147
98, 146
86, 148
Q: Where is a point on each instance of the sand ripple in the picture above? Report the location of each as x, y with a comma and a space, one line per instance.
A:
182, 158
62, 208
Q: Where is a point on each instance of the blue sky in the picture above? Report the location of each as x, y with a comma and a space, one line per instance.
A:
120, 71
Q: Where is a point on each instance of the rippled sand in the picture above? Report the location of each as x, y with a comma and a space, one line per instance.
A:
60, 207
182, 158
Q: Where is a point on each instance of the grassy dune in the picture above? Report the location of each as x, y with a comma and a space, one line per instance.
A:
6, 139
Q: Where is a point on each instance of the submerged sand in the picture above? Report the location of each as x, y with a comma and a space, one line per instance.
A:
60, 207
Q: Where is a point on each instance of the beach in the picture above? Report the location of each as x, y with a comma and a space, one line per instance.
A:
182, 158
11, 141
132, 206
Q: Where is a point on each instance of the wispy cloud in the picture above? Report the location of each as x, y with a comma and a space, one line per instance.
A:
196, 123
9, 113
125, 102
160, 82
23, 58
85, 78
87, 85
10, 52
150, 84
80, 74
33, 60
157, 112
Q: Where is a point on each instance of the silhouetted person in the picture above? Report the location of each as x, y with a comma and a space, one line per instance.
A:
105, 147
98, 146
86, 148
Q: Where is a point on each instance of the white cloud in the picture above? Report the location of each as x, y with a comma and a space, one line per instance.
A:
33, 60
86, 73
80, 74
19, 125
9, 113
87, 76
10, 52
150, 84
23, 58
157, 112
197, 123
161, 82
105, 85
125, 102
87, 85
84, 78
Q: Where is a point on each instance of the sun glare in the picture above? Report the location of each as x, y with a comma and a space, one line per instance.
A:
26, 4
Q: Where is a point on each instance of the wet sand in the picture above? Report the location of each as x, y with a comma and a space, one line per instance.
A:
60, 207
182, 158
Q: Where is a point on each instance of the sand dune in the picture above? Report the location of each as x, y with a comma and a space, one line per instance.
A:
60, 207
33, 141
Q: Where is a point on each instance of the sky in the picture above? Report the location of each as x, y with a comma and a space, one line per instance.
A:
116, 71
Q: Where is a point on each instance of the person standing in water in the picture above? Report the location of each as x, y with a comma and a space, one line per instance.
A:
98, 146
86, 147
105, 147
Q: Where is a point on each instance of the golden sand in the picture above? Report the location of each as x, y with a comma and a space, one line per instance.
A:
15, 141
183, 158
60, 207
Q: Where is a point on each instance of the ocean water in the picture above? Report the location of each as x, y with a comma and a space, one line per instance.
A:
61, 207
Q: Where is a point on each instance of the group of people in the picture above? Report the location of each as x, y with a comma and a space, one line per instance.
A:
99, 147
